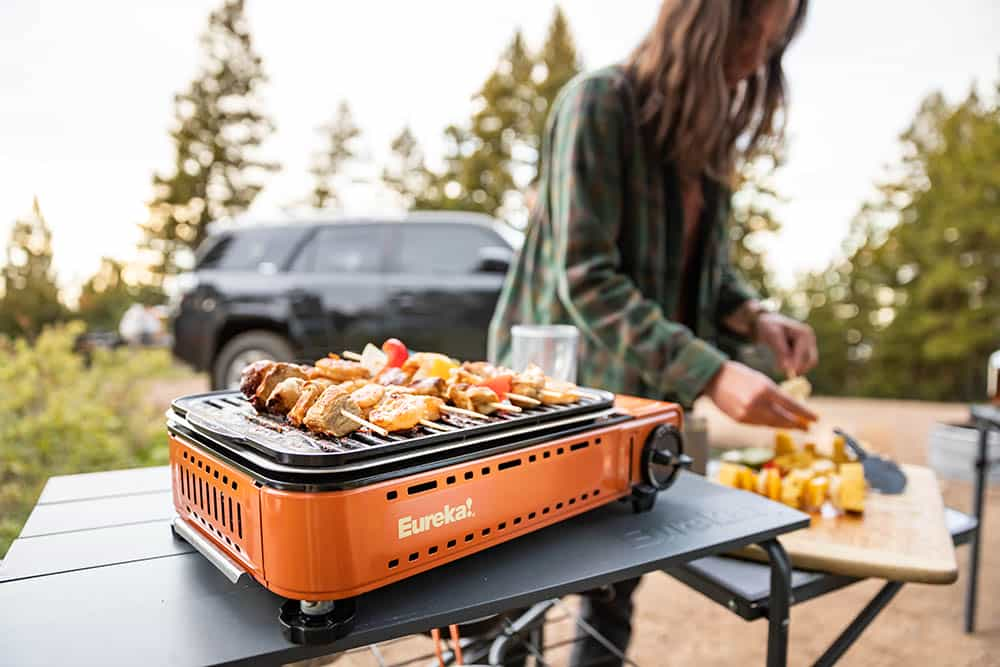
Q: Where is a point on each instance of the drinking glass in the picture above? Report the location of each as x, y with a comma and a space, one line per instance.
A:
551, 346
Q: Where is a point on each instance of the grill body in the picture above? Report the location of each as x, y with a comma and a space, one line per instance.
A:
313, 542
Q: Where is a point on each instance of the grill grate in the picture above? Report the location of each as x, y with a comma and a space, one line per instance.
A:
229, 416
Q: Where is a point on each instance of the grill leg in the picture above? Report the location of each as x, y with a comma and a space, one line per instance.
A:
982, 467
858, 625
779, 604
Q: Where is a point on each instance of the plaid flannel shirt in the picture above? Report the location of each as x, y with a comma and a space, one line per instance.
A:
603, 252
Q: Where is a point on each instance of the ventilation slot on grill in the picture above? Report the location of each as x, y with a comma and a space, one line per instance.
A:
221, 514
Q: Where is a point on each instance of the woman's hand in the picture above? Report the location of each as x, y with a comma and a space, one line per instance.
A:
751, 397
793, 343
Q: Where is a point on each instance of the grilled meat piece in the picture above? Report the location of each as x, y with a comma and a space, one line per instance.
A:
463, 376
393, 376
339, 370
326, 414
307, 396
368, 396
558, 393
277, 373
285, 395
473, 397
429, 387
529, 382
252, 375
400, 411
483, 369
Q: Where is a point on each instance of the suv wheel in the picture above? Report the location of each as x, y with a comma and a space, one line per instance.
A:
244, 349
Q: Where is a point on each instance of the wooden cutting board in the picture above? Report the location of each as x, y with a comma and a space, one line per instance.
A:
901, 537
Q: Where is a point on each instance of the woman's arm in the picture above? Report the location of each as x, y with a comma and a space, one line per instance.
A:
586, 193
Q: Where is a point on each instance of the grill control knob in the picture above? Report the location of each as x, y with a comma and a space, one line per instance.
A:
663, 456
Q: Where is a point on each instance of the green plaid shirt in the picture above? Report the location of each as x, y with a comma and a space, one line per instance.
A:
603, 253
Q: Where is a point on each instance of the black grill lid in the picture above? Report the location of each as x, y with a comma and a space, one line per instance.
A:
228, 416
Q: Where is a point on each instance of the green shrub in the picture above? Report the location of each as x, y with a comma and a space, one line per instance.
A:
60, 415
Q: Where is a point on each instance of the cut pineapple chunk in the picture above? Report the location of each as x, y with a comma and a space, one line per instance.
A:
815, 493
769, 483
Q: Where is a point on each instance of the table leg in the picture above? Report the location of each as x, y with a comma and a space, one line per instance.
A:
858, 625
982, 467
779, 604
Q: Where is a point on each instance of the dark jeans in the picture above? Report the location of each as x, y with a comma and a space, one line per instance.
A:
609, 612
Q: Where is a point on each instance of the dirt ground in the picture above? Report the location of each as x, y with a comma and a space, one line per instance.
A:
922, 626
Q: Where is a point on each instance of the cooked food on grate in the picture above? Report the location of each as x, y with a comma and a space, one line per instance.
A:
307, 396
400, 411
339, 395
274, 375
473, 397
559, 393
326, 414
252, 375
339, 370
285, 395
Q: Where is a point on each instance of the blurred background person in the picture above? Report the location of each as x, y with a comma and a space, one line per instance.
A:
628, 237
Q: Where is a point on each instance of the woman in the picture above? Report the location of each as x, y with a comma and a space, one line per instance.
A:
628, 239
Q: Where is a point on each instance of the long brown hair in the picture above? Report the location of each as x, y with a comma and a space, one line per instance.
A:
686, 106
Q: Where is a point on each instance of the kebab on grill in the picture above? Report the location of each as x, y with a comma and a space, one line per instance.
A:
396, 390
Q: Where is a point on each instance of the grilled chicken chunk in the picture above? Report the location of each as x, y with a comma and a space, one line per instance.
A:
326, 414
368, 396
529, 382
339, 370
400, 411
394, 376
558, 393
285, 395
277, 373
473, 397
252, 375
429, 387
311, 390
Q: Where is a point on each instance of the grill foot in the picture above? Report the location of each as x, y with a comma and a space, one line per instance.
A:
643, 498
301, 624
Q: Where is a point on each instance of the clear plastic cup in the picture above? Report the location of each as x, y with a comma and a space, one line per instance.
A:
552, 347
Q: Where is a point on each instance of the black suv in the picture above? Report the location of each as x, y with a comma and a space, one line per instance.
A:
297, 291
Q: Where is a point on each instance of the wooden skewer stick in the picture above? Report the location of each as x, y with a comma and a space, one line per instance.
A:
351, 356
505, 407
364, 422
434, 426
463, 411
521, 398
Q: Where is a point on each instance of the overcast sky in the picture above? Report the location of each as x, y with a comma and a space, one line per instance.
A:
87, 96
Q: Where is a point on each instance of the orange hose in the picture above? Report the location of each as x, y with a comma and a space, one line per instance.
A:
456, 644
436, 635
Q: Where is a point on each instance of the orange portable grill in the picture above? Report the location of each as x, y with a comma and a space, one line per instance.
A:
321, 520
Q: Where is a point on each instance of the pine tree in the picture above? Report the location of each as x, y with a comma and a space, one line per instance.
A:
30, 296
493, 158
339, 137
556, 64
218, 129
407, 175
918, 295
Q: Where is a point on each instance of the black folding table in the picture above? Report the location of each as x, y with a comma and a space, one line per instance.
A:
97, 577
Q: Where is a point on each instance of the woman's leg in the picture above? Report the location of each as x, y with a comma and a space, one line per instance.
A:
608, 611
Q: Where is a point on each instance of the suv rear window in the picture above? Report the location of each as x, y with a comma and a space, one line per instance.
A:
440, 248
247, 249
